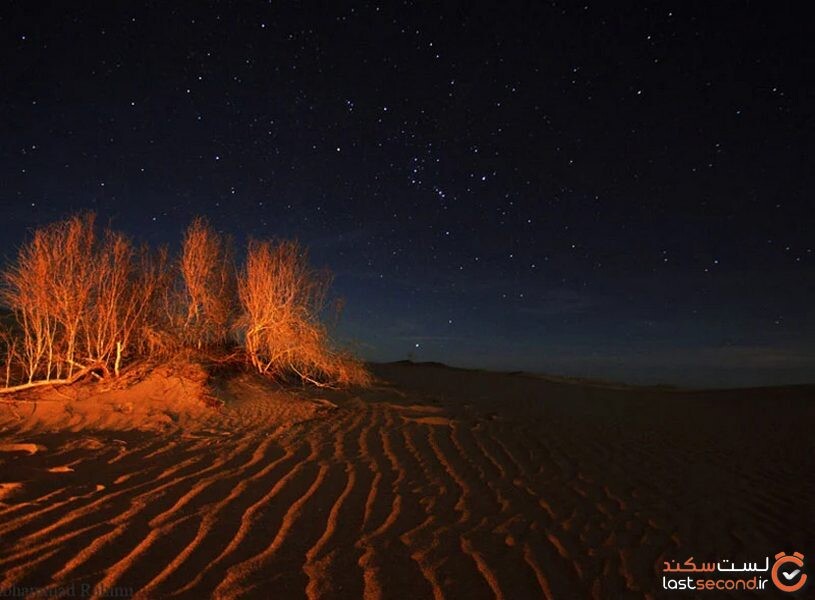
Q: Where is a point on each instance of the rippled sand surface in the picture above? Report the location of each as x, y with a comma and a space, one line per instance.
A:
436, 483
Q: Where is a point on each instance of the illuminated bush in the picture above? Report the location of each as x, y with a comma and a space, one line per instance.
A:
208, 277
85, 303
79, 300
281, 300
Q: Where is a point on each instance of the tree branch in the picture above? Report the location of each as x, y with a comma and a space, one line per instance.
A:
36, 384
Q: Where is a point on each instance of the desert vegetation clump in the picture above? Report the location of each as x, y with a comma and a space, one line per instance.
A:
281, 301
78, 299
208, 287
87, 301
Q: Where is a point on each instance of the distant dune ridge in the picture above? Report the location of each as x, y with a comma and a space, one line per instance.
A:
433, 483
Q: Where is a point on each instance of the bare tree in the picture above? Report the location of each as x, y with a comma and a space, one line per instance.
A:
78, 300
282, 298
88, 303
70, 250
124, 282
45, 288
208, 276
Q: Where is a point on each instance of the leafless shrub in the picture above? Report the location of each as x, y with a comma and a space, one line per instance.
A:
156, 336
208, 276
281, 300
124, 281
47, 288
78, 300
85, 303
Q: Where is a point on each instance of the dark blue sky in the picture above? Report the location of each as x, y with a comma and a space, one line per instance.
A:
614, 191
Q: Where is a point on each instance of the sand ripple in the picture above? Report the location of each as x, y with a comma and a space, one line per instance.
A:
375, 499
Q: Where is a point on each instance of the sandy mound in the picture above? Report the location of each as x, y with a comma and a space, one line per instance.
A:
152, 401
440, 483
178, 396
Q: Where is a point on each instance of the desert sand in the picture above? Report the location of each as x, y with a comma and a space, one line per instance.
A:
434, 483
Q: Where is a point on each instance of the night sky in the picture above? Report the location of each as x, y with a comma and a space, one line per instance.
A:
615, 191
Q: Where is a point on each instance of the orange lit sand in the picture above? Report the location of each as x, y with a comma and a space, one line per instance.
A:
438, 483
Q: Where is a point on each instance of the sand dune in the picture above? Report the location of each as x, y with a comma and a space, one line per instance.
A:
437, 483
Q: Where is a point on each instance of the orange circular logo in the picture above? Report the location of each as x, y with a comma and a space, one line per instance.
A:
783, 578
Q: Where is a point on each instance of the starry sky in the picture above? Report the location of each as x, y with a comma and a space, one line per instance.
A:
614, 190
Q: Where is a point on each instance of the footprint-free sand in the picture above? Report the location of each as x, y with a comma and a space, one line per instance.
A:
435, 483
